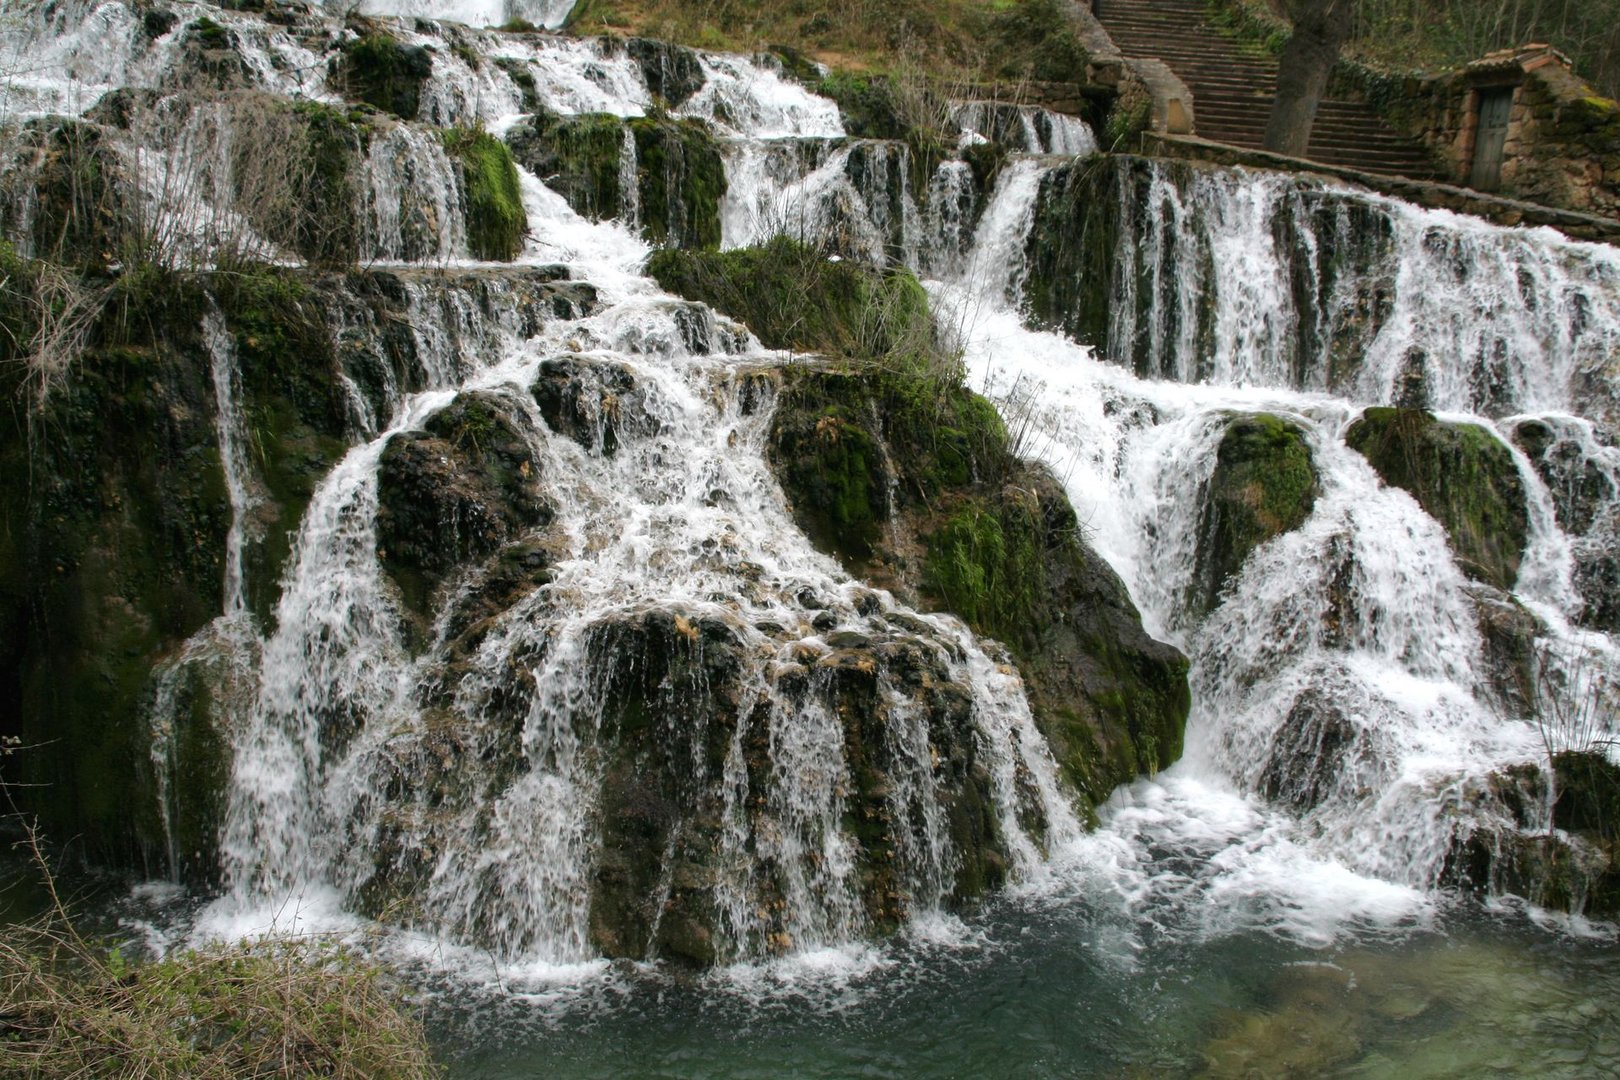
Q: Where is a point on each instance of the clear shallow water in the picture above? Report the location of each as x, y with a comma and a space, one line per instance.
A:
1057, 992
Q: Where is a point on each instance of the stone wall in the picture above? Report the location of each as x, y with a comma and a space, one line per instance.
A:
1563, 140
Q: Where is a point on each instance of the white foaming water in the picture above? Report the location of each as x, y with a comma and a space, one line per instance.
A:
411, 199
548, 14
1353, 639
676, 518
1251, 278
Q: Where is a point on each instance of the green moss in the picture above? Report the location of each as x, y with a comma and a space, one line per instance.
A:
291, 403
682, 179
869, 105
209, 34
329, 233
1462, 476
380, 71
986, 563
1264, 484
496, 220
792, 297
577, 156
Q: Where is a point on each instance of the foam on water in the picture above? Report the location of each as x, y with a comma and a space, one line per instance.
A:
1404, 668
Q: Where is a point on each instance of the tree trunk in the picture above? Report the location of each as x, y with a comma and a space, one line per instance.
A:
1320, 30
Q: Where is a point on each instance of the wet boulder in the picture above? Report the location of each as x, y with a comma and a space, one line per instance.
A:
1316, 746
378, 69
1264, 485
1461, 475
597, 403
672, 72
579, 157
454, 492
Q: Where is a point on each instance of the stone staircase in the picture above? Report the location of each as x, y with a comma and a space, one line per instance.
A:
1232, 87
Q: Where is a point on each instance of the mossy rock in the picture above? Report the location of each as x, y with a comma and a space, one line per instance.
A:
673, 72
491, 197
793, 297
292, 404
452, 494
1264, 485
1588, 793
577, 156
935, 507
383, 72
682, 178
1461, 475
114, 554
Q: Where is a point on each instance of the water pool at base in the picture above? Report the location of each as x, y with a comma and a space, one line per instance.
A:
1060, 993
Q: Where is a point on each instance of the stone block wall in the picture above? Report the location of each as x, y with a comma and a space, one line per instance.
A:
1563, 140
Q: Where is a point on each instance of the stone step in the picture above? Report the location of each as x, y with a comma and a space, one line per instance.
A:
1233, 85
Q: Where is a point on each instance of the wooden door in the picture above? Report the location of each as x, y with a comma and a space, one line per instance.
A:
1489, 137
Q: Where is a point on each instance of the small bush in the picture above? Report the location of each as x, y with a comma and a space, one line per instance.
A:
289, 1009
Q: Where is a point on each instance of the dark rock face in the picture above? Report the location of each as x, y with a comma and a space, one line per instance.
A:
1566, 455
673, 72
974, 531
454, 493
384, 73
680, 176
1461, 476
1264, 485
577, 156
593, 402
113, 555
1313, 747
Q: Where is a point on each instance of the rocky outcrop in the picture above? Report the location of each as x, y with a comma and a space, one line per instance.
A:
957, 524
1579, 468
453, 493
679, 175
1461, 475
1264, 485
113, 560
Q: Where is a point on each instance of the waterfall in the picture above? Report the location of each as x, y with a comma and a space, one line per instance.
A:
1344, 676
1264, 279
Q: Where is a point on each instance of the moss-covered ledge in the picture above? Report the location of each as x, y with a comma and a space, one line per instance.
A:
890, 463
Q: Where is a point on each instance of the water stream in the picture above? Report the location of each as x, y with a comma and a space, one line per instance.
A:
447, 774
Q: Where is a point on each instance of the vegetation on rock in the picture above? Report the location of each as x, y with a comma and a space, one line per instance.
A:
496, 220
892, 464
385, 73
1461, 475
1264, 485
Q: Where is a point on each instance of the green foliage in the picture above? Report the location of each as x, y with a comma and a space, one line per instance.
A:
496, 220
1035, 39
1126, 121
868, 103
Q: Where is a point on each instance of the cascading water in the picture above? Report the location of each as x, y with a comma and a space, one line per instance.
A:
1344, 673
552, 674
